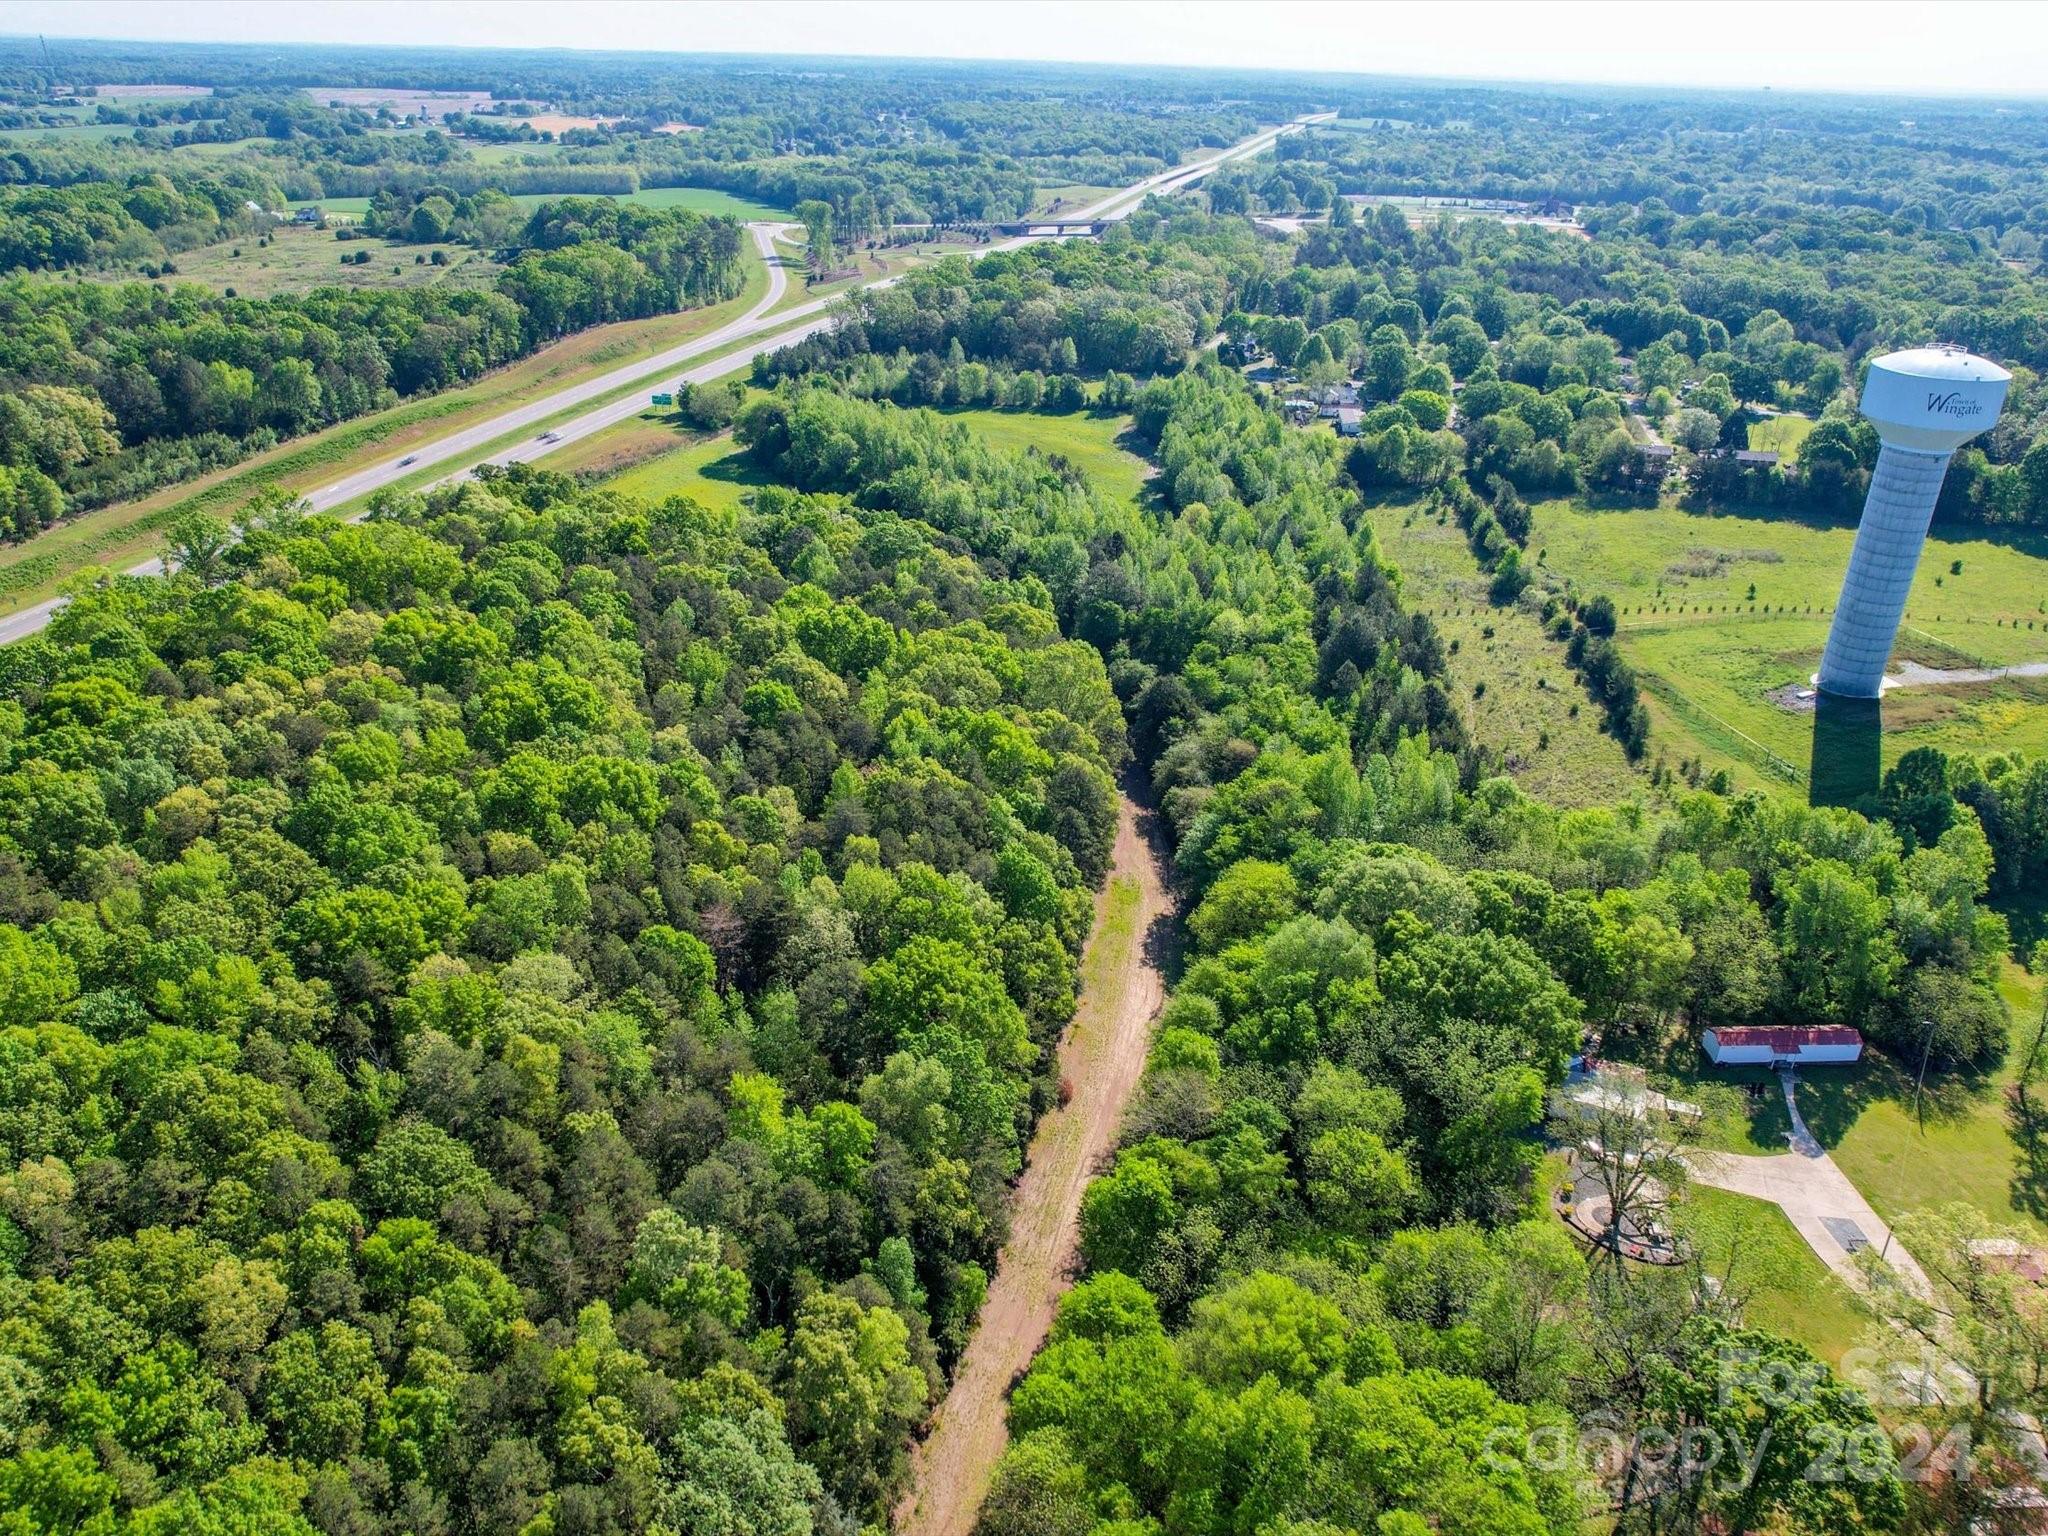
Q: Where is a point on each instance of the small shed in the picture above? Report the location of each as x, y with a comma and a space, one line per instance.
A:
1782, 1045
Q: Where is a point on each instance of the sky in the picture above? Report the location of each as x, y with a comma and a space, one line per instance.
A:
1937, 47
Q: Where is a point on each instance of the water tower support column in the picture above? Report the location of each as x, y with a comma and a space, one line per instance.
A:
1903, 490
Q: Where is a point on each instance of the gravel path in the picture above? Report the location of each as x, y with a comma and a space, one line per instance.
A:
1103, 1056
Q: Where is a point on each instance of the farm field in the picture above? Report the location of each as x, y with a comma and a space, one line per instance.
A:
509, 154
297, 259
695, 199
354, 206
708, 200
1530, 694
405, 102
1717, 610
81, 132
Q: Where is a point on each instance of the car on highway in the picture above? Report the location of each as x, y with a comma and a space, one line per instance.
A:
407, 460
549, 437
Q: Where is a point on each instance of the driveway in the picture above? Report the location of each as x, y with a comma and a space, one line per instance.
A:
1828, 1210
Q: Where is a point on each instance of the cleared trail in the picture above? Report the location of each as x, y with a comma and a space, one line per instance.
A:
1103, 1055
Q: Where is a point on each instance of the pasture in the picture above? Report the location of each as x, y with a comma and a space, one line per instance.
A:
1718, 610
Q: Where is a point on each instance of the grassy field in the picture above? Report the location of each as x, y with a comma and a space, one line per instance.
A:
874, 265
89, 133
509, 154
297, 259
356, 206
707, 200
1785, 1288
218, 150
1781, 435
123, 535
713, 471
1066, 199
1092, 443
1526, 708
696, 199
1718, 609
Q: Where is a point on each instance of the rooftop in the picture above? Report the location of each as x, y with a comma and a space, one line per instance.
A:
1788, 1036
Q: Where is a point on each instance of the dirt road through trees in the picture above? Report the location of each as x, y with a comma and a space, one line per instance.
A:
1103, 1056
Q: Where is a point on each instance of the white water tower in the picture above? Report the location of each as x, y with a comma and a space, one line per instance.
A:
1925, 403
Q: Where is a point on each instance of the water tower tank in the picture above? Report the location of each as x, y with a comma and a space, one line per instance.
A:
1925, 403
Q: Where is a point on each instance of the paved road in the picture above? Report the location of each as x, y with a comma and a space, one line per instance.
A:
1910, 674
815, 316
459, 449
1816, 1196
1103, 1056
458, 444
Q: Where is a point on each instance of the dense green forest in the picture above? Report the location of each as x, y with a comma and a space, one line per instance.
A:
522, 1012
523, 1015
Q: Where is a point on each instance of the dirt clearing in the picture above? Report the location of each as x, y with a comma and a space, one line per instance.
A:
1103, 1056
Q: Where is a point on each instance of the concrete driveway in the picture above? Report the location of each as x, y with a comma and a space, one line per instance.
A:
1828, 1210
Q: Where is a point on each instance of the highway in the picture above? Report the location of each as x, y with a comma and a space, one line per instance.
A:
789, 327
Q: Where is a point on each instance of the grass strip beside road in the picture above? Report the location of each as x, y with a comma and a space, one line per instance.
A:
129, 532
429, 474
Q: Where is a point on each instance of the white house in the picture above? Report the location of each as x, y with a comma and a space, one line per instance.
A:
1781, 1044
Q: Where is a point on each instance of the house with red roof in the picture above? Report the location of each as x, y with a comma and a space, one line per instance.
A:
1775, 1045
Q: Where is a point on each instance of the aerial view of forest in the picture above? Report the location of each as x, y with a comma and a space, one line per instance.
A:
804, 796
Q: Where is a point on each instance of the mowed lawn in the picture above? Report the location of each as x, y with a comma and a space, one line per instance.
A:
1092, 443
1965, 1141
695, 199
1718, 610
1509, 677
1781, 435
712, 472
1753, 1248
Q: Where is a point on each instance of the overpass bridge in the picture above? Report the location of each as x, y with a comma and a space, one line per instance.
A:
1051, 229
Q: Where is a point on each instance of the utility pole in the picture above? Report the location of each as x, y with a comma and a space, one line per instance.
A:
1926, 1045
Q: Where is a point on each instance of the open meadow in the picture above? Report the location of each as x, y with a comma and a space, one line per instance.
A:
1512, 681
297, 258
1718, 610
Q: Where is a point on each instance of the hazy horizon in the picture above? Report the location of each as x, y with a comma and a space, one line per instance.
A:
1878, 48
